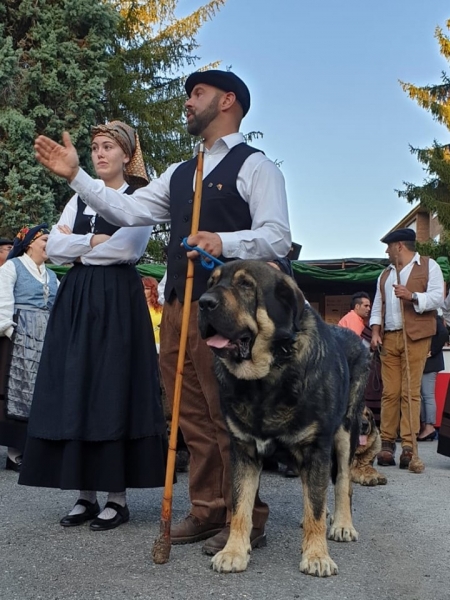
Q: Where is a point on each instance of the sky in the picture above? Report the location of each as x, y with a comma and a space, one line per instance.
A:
324, 81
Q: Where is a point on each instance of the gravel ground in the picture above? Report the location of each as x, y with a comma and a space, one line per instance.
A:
403, 551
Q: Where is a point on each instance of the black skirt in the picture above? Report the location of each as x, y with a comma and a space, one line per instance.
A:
96, 420
101, 466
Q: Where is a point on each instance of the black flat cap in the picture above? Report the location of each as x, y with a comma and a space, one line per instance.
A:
223, 80
400, 235
5, 242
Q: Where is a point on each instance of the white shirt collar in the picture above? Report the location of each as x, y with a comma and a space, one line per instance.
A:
415, 258
226, 142
32, 266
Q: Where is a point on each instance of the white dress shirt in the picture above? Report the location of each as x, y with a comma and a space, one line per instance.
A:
260, 183
8, 278
430, 300
127, 245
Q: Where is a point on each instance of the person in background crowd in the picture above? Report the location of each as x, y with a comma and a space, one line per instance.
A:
446, 311
244, 215
155, 308
5, 247
27, 294
434, 364
421, 291
97, 422
356, 319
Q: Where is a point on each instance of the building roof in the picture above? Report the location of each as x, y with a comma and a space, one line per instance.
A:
406, 221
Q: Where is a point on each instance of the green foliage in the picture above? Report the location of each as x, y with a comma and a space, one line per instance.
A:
435, 249
145, 85
52, 73
434, 192
156, 247
68, 64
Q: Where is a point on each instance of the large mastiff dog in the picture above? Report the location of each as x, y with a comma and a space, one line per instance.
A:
287, 381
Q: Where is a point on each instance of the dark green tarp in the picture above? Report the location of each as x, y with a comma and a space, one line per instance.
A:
363, 273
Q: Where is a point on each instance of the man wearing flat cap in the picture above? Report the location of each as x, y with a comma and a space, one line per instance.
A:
5, 247
243, 215
416, 282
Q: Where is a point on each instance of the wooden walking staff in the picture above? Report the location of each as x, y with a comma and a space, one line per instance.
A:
416, 465
162, 545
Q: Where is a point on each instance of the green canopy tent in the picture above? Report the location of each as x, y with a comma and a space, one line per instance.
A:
315, 278
324, 281
359, 270
145, 270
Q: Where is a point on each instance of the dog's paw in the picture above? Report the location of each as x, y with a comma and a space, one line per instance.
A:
368, 481
319, 566
343, 534
228, 561
369, 477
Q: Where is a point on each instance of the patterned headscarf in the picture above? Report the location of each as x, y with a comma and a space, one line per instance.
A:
127, 138
25, 237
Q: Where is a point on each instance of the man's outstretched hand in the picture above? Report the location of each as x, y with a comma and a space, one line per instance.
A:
60, 159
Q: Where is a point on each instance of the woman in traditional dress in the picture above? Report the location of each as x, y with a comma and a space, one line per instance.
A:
97, 422
27, 293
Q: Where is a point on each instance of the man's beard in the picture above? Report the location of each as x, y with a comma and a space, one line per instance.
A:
199, 122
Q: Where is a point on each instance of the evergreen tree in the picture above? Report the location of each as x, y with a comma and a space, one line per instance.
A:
145, 87
53, 68
434, 193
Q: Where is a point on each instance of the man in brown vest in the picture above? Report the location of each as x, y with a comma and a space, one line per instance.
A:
416, 282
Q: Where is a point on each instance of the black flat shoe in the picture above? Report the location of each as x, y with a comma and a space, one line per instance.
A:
92, 510
123, 515
13, 465
428, 438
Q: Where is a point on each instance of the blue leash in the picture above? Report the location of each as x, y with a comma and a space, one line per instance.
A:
211, 263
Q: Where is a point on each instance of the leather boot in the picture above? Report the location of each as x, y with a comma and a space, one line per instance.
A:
386, 456
405, 457
192, 530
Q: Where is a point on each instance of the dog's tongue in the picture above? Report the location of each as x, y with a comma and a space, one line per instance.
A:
363, 440
217, 341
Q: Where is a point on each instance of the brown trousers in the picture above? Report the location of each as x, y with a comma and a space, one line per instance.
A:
394, 400
201, 420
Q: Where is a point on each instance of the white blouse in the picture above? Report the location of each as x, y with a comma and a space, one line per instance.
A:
8, 278
127, 245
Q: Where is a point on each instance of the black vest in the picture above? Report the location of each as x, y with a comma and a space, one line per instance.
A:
222, 210
94, 223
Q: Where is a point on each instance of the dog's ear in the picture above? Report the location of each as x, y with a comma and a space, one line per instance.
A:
289, 295
214, 278
370, 417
